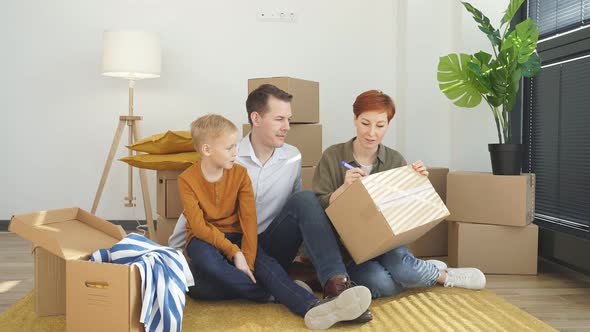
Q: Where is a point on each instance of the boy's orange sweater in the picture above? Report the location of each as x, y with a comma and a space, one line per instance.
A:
226, 206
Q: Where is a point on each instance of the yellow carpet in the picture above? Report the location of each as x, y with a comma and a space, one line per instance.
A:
432, 309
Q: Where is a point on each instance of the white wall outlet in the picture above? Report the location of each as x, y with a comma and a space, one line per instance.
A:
266, 16
286, 16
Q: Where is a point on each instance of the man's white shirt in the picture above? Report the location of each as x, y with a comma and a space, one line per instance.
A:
273, 184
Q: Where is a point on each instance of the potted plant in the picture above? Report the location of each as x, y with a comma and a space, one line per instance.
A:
468, 80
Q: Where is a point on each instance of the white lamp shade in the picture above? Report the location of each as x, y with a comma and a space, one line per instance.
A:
131, 54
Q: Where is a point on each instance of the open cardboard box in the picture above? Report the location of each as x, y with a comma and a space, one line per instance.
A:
98, 296
384, 211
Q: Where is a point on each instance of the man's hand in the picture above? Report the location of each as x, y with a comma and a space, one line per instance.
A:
419, 167
242, 265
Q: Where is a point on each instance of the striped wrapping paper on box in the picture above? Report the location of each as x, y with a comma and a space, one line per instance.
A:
405, 198
384, 211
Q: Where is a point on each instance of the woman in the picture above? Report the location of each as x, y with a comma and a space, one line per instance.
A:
397, 269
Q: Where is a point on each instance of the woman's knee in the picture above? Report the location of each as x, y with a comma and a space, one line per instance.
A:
382, 285
397, 255
377, 279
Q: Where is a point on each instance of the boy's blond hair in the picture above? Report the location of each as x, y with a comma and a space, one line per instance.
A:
208, 127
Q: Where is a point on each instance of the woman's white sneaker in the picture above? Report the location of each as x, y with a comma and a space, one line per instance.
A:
467, 277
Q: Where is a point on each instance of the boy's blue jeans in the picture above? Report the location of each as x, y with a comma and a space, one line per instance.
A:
224, 281
302, 220
392, 272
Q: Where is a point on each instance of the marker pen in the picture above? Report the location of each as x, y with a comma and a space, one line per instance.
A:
347, 165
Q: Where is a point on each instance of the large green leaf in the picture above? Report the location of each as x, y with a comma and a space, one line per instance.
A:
505, 79
523, 39
457, 82
532, 66
511, 10
484, 24
480, 66
483, 57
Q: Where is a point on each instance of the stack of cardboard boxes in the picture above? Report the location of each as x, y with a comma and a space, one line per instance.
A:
169, 205
434, 243
491, 222
306, 131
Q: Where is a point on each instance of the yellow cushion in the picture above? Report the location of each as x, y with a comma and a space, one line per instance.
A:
164, 143
172, 161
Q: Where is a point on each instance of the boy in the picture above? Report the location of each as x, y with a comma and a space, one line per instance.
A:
221, 228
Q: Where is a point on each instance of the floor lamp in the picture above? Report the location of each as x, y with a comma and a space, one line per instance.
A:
132, 55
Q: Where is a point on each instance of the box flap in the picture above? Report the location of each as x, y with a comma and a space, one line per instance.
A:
70, 233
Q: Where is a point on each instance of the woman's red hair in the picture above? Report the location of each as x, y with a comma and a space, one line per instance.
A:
374, 100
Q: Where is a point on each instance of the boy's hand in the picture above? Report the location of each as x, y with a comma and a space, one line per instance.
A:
419, 167
242, 265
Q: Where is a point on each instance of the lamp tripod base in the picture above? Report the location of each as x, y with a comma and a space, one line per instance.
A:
132, 122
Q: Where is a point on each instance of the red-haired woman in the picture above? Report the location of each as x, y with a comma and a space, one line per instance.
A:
397, 269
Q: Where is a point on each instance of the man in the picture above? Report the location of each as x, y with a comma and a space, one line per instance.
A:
286, 215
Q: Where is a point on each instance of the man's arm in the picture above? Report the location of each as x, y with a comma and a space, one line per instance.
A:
298, 185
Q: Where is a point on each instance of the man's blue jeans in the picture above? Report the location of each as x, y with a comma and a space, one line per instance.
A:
271, 279
392, 272
302, 220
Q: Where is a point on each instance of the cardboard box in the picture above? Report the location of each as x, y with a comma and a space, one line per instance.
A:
168, 204
491, 199
307, 177
384, 211
306, 137
50, 283
165, 229
93, 291
494, 249
306, 96
435, 241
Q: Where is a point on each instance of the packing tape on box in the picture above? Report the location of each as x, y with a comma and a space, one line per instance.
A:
404, 197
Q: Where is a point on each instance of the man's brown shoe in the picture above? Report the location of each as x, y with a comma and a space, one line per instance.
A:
366, 316
338, 284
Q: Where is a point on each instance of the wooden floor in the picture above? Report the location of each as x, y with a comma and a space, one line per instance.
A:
558, 296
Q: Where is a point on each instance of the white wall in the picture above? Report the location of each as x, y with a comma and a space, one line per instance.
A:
60, 114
